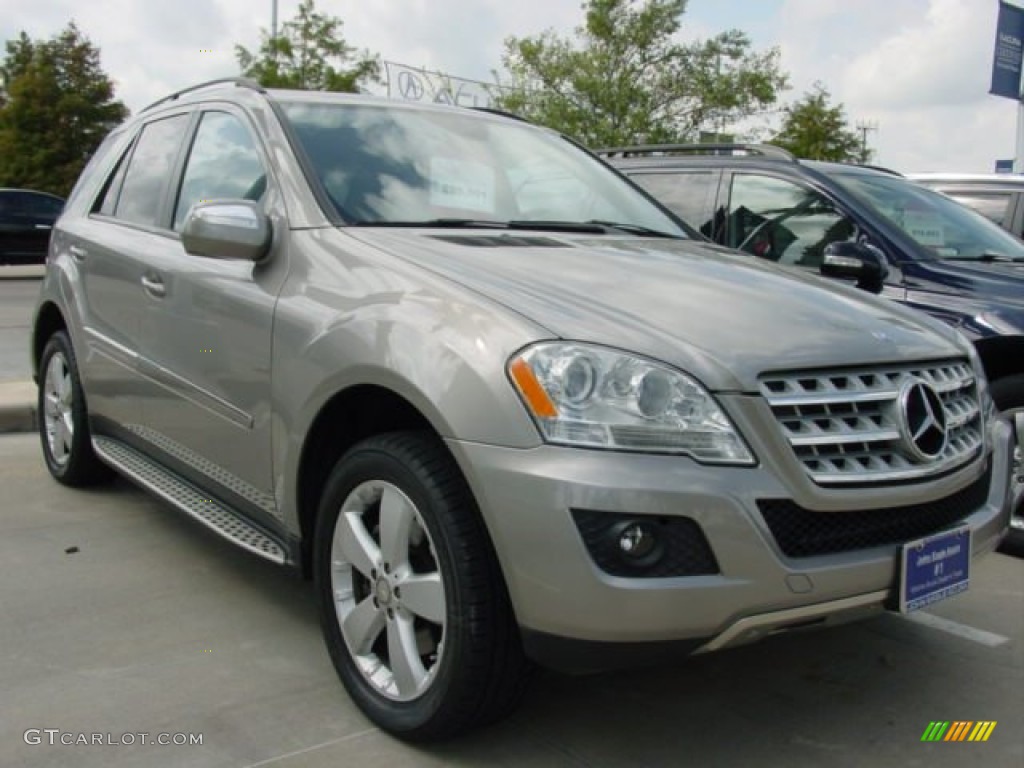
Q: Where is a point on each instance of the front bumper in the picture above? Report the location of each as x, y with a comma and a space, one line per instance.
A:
557, 591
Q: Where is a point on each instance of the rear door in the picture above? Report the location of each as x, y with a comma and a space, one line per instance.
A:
689, 193
41, 211
111, 252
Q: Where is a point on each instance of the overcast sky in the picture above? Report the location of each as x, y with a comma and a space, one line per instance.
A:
919, 70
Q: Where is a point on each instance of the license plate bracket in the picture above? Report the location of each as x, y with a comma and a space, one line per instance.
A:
934, 568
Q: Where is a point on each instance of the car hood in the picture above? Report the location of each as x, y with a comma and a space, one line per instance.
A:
988, 298
996, 281
718, 315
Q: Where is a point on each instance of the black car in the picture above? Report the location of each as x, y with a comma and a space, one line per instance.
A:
26, 220
868, 225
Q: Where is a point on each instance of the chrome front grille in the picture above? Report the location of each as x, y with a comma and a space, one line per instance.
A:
845, 426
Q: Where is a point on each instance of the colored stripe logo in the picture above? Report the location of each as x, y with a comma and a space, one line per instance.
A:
958, 730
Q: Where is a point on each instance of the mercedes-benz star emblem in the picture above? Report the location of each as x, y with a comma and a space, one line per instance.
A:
922, 420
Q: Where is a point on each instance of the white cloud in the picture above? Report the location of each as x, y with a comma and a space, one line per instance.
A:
917, 68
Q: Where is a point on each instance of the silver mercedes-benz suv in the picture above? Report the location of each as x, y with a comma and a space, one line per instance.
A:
498, 403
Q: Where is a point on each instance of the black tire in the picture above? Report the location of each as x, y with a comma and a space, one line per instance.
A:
1008, 395
69, 457
474, 670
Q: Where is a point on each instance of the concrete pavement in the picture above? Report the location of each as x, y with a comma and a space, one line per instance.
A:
19, 286
121, 616
17, 406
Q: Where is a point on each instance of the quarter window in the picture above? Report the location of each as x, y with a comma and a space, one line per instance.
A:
148, 169
222, 165
782, 221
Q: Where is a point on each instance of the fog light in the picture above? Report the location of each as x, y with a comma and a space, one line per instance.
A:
636, 541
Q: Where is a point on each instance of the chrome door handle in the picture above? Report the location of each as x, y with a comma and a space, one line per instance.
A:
78, 252
154, 287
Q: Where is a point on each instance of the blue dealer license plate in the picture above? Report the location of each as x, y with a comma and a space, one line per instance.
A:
934, 568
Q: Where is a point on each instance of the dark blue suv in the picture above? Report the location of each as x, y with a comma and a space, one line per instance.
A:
862, 224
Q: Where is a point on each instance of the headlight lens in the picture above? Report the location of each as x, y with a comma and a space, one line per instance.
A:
583, 395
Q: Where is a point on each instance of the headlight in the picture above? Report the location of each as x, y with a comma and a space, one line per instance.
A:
588, 396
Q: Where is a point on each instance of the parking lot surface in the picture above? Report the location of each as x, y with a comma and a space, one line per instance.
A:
19, 288
121, 616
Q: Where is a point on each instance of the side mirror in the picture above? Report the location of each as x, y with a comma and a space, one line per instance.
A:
227, 229
856, 261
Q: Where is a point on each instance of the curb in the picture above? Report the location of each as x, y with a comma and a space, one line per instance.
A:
17, 406
22, 272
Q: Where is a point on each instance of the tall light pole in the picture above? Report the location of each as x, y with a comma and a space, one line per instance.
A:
273, 19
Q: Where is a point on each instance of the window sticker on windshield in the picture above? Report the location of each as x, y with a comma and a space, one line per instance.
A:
925, 227
461, 184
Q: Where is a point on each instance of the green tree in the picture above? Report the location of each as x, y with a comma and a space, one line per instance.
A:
308, 54
56, 105
816, 130
625, 78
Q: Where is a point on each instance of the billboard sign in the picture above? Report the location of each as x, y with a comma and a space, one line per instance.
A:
1009, 52
412, 84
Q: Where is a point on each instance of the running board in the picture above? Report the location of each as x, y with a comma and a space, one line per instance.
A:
168, 486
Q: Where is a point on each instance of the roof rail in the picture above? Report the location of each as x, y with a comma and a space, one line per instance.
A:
880, 168
501, 112
241, 82
713, 148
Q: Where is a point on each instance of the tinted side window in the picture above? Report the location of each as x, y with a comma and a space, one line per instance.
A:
686, 193
148, 169
223, 164
42, 205
782, 221
49, 205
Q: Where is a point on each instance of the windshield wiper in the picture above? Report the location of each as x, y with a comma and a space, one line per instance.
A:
592, 227
583, 227
472, 223
635, 229
989, 258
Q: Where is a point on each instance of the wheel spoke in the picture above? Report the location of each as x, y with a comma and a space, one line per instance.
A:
65, 386
423, 595
53, 378
354, 543
362, 626
69, 426
396, 520
59, 444
404, 656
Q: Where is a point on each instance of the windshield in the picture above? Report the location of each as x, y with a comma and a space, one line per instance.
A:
947, 229
396, 165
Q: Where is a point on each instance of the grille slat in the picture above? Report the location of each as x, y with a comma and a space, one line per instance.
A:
850, 436
844, 425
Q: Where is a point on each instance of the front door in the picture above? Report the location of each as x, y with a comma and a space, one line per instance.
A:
207, 333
